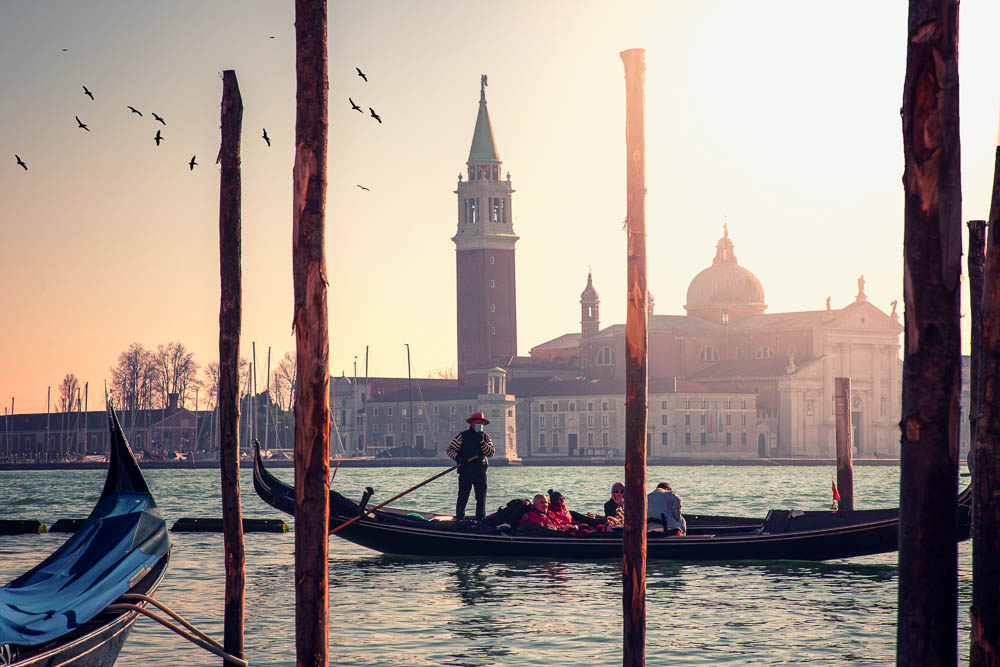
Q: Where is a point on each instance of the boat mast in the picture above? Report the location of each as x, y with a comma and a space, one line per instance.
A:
267, 400
86, 413
48, 420
409, 382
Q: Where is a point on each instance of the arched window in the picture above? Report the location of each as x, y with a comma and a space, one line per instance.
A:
708, 353
763, 352
606, 356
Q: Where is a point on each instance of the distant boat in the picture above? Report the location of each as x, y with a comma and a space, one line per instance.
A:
59, 612
781, 535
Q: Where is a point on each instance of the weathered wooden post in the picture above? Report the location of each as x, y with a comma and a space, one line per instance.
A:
985, 459
845, 442
230, 324
932, 266
634, 539
312, 344
976, 264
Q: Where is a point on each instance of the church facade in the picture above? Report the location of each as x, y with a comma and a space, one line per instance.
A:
728, 343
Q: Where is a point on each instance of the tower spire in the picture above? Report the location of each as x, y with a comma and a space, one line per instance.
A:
484, 148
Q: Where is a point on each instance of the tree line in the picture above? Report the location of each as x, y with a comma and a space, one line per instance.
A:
144, 379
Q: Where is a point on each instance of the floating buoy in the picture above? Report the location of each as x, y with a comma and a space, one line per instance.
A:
212, 525
21, 527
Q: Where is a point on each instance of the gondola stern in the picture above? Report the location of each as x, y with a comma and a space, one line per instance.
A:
124, 474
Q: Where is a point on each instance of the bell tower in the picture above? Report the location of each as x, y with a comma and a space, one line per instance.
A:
590, 321
484, 253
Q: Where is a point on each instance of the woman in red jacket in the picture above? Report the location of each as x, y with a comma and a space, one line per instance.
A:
558, 513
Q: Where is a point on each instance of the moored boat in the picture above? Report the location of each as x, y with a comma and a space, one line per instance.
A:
781, 535
57, 613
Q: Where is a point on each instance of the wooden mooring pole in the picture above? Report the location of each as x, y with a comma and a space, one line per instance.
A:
977, 267
926, 631
230, 325
845, 442
634, 538
312, 344
985, 458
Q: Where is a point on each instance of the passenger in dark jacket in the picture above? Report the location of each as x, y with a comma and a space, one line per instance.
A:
472, 443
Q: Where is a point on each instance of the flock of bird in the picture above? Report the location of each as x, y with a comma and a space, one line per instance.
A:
158, 137
357, 108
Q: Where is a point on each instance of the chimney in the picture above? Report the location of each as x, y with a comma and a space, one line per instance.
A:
172, 401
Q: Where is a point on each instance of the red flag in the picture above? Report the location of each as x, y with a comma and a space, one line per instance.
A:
836, 494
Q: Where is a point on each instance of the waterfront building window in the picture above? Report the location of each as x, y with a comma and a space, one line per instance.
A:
590, 407
604, 420
541, 439
590, 439
687, 420
663, 420
663, 438
493, 331
709, 353
388, 411
729, 439
388, 441
403, 427
471, 409
493, 308
663, 405
388, 427
604, 405
687, 404
704, 438
403, 411
606, 356
728, 419
604, 439
555, 407
420, 411
743, 439
763, 352
572, 406
437, 411
493, 259
590, 420
451, 426
702, 419
687, 438
555, 441
452, 410
374, 428
541, 422
725, 316
541, 407
374, 412
492, 283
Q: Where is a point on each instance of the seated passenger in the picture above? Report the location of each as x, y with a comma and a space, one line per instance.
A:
558, 513
664, 506
614, 509
538, 514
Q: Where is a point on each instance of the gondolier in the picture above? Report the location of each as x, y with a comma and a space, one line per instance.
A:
470, 443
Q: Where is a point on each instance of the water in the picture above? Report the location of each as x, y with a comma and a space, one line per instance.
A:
473, 612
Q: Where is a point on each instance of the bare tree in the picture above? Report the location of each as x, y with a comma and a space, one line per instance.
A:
176, 372
210, 380
132, 379
69, 393
283, 381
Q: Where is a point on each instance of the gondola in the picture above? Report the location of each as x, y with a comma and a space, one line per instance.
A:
781, 535
57, 612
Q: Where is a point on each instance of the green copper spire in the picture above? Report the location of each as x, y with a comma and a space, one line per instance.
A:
484, 149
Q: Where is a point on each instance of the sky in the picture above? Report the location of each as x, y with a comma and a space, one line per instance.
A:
780, 119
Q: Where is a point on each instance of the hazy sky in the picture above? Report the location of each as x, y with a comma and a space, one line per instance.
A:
780, 118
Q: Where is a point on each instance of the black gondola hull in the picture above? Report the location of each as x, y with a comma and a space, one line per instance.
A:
811, 536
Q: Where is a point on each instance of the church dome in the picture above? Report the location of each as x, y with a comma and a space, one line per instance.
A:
725, 284
589, 293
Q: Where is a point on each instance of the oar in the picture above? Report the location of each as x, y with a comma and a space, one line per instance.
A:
400, 495
336, 468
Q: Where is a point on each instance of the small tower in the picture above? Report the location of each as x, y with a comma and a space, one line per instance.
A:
500, 409
484, 253
590, 321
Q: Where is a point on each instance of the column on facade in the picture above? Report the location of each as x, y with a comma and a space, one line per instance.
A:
825, 408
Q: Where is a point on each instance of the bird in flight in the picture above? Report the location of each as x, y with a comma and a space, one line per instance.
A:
364, 188
20, 161
354, 106
64, 50
361, 74
192, 163
158, 138
88, 93
375, 115
267, 138
134, 110
155, 117
79, 124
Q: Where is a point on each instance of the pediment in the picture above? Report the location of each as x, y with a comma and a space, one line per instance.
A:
864, 315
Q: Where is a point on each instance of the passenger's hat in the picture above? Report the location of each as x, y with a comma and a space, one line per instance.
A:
478, 418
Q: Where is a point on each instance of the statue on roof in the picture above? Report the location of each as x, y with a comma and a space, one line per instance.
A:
893, 313
861, 289
484, 84
828, 303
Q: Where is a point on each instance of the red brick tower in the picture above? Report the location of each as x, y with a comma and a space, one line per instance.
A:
484, 252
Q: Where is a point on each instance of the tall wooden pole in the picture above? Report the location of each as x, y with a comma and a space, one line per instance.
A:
976, 267
932, 267
634, 539
845, 442
985, 459
230, 324
312, 345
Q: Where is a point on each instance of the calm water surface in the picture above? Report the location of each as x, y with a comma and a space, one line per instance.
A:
476, 612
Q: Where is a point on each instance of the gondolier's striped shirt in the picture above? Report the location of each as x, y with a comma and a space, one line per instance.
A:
456, 445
